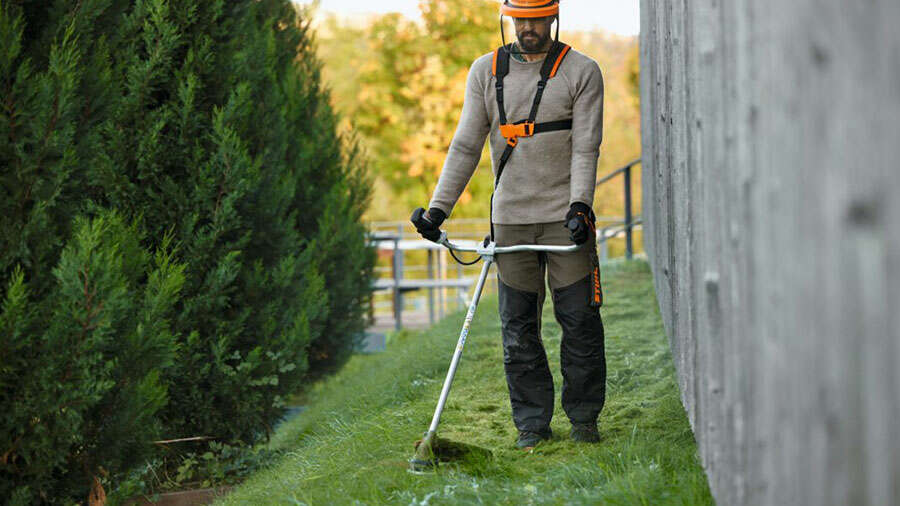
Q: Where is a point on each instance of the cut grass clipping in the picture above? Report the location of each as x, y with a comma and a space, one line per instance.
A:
352, 443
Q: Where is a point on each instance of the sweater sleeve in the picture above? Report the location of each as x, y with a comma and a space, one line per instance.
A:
466, 146
587, 132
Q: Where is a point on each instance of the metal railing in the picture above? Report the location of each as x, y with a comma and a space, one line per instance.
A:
436, 268
629, 222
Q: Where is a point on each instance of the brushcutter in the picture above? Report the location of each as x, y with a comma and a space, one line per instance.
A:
425, 458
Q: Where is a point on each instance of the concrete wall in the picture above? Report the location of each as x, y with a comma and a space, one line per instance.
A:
771, 184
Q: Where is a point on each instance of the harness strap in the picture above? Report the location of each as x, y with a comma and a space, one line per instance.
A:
524, 128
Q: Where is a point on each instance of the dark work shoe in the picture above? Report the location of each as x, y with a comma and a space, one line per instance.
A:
585, 433
529, 439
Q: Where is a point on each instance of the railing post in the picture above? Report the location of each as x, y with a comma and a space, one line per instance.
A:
397, 265
604, 245
431, 290
628, 218
460, 292
371, 313
441, 274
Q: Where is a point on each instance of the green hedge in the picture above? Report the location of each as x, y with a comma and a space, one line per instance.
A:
180, 236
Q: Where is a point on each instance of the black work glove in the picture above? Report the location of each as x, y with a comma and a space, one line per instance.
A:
580, 222
428, 223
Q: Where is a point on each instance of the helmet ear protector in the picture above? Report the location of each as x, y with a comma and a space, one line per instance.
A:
529, 9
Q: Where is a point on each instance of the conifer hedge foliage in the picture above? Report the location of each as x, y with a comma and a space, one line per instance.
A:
180, 236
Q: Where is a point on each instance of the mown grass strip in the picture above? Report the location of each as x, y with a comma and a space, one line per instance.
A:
350, 446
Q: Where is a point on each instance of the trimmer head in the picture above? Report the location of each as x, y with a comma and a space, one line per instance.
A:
425, 460
421, 467
431, 449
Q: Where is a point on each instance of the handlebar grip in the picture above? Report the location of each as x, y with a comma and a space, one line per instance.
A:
424, 226
417, 216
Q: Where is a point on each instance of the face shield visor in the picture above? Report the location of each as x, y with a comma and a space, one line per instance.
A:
530, 21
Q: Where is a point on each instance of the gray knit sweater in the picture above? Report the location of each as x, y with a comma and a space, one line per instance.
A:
546, 172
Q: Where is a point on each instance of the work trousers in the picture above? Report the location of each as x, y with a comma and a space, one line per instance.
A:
582, 357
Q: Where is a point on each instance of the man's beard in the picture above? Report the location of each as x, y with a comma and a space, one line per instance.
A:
530, 44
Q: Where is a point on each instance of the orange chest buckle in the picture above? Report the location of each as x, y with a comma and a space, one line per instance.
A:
512, 131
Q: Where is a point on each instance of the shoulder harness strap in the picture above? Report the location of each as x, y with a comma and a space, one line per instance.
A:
527, 127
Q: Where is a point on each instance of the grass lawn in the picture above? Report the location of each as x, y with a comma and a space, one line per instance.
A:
351, 445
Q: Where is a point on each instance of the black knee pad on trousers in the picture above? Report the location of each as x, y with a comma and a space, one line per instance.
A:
524, 359
519, 315
582, 352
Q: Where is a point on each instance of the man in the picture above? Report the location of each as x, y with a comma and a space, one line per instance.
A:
542, 104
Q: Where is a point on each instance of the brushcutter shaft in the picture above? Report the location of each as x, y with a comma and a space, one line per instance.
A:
459, 347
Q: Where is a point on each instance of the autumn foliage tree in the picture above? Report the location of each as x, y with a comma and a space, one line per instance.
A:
400, 84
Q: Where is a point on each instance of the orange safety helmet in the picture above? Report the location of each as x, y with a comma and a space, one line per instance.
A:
530, 8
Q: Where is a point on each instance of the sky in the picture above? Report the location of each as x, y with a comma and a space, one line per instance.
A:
617, 16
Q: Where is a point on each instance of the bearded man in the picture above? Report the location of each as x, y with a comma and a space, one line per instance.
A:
541, 102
